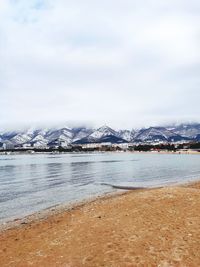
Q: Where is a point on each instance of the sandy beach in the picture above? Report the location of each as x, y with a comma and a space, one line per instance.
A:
150, 227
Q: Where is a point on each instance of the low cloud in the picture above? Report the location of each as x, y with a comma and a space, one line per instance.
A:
124, 63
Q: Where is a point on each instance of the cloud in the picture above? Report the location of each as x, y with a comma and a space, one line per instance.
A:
125, 63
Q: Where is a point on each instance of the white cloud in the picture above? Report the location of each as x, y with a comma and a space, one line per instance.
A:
125, 63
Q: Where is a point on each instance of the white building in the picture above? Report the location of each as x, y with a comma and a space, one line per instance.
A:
122, 145
8, 145
92, 145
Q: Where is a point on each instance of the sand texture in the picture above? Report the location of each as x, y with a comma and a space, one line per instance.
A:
158, 227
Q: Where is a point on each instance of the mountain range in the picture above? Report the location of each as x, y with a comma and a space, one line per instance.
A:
84, 135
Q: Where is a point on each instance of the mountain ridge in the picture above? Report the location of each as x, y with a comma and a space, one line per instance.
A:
82, 135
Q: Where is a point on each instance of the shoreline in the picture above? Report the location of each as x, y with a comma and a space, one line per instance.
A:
130, 228
30, 152
46, 213
55, 210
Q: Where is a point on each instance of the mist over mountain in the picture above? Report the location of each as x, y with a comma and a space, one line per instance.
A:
82, 135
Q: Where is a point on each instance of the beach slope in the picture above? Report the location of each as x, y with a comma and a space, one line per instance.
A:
155, 227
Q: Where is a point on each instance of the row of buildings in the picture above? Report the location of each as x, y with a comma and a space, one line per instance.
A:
57, 144
10, 146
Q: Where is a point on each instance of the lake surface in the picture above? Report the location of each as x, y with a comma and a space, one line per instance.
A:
30, 183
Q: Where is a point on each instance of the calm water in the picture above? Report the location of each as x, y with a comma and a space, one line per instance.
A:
29, 183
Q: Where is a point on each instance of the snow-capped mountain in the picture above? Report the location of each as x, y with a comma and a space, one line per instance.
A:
127, 135
101, 135
8, 135
96, 135
64, 134
103, 131
81, 132
84, 135
43, 137
104, 139
111, 139
21, 138
39, 140
157, 134
187, 130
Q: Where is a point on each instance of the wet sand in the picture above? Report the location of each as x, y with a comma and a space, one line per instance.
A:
150, 227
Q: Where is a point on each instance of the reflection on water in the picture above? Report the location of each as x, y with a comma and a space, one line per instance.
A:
29, 183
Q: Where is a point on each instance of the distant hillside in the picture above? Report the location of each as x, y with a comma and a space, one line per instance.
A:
82, 135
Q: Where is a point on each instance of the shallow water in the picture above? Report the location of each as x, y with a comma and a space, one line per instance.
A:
29, 183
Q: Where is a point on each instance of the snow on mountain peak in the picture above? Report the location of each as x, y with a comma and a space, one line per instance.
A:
103, 131
44, 136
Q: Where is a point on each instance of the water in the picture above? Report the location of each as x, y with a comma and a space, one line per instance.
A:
29, 183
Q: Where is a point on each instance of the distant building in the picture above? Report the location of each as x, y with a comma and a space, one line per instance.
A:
122, 145
107, 144
8, 145
26, 145
92, 145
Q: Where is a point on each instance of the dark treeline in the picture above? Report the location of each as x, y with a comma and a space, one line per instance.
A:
139, 147
168, 147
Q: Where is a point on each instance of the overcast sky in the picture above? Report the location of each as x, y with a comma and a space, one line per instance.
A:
126, 63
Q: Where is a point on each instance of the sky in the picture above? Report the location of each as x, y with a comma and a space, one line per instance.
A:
124, 63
